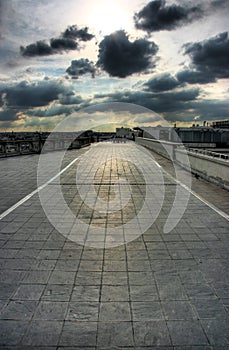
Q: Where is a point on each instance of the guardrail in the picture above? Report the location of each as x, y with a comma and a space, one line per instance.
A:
209, 153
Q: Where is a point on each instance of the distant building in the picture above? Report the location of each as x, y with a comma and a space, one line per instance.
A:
204, 135
221, 124
120, 132
26, 143
196, 136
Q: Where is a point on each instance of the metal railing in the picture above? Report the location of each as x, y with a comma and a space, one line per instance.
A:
209, 153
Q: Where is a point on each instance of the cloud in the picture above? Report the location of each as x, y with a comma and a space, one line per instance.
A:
183, 95
40, 48
120, 57
178, 105
210, 57
35, 94
2, 3
67, 41
51, 111
70, 99
73, 32
63, 44
195, 77
8, 115
157, 16
81, 67
163, 102
219, 4
2, 96
209, 61
41, 99
162, 82
39, 123
211, 109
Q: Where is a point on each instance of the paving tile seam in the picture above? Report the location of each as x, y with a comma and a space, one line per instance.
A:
157, 290
129, 295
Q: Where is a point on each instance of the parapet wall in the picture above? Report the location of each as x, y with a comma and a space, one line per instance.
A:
164, 148
213, 169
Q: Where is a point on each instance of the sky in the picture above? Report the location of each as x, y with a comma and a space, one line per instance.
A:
62, 57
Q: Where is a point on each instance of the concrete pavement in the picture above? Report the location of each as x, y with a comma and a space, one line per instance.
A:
157, 291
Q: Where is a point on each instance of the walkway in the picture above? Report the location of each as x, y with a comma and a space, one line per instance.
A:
130, 284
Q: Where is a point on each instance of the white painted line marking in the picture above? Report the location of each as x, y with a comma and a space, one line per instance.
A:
210, 205
23, 200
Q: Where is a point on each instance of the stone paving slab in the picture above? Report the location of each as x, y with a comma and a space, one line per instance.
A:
158, 291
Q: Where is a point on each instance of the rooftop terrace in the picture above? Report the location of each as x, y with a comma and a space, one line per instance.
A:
105, 274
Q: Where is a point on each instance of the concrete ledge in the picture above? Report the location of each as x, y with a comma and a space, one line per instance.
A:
215, 170
165, 148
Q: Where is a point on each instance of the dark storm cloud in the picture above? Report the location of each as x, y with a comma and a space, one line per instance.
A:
25, 95
120, 57
62, 107
210, 56
66, 42
1, 11
219, 4
7, 115
1, 100
73, 32
211, 109
195, 77
183, 95
181, 105
81, 67
70, 98
158, 102
162, 82
40, 48
63, 44
156, 16
209, 61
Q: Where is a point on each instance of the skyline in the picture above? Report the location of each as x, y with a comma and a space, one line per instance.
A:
58, 58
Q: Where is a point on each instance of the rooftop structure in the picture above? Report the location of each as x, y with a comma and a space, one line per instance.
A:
197, 136
222, 124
